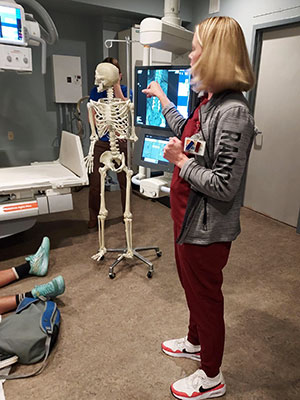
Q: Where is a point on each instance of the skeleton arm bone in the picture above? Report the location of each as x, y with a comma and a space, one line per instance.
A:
89, 159
132, 136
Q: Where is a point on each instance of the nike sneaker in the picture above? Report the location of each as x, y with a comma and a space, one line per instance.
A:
181, 348
199, 386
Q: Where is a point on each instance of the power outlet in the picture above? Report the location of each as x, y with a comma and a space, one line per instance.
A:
10, 135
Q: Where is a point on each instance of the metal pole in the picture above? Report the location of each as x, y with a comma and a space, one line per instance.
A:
143, 171
128, 62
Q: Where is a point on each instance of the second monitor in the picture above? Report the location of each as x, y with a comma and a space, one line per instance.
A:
148, 150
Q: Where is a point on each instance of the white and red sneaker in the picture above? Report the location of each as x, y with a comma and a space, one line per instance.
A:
199, 386
181, 348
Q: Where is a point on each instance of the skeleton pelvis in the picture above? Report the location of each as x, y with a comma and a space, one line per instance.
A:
115, 163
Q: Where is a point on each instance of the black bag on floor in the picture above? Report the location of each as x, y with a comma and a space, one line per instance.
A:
30, 333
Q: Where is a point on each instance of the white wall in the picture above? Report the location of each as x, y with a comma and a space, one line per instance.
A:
249, 13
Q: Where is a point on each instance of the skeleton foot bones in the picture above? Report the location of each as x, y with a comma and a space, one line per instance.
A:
99, 256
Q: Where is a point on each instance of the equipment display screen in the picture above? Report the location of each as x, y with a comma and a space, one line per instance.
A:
174, 81
11, 30
153, 148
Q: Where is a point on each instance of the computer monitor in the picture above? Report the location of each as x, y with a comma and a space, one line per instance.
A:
11, 23
148, 150
175, 82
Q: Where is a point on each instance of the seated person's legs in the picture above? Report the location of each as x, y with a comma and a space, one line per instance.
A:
48, 290
36, 264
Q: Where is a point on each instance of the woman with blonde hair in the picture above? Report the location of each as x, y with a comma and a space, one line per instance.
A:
210, 151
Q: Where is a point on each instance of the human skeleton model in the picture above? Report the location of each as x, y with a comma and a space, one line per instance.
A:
111, 115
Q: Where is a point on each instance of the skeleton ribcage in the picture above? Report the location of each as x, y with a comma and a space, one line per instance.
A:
111, 115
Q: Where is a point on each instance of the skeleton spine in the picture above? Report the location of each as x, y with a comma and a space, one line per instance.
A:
114, 145
110, 94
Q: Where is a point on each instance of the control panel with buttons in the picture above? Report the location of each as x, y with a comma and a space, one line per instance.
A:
15, 58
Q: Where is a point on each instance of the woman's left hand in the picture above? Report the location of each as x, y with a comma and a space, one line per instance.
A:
173, 152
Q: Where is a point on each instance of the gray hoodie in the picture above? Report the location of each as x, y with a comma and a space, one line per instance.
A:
217, 179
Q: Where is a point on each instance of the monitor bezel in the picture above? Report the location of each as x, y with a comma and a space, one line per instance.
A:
15, 42
138, 149
154, 67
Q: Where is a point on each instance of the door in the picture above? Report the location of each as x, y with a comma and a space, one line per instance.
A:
273, 179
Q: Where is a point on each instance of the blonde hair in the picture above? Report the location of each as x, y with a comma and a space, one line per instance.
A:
224, 62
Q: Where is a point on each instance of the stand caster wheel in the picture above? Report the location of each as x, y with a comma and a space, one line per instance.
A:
149, 274
159, 253
112, 275
102, 258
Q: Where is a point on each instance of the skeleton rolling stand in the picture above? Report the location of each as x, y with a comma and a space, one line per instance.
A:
111, 115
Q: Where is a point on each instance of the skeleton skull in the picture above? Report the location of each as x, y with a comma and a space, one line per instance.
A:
106, 75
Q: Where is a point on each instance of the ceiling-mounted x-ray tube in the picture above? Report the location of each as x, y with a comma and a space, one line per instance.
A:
171, 12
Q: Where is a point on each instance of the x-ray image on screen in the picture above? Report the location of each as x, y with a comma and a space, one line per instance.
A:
174, 81
154, 116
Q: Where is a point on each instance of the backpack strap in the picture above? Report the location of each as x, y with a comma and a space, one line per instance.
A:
38, 371
47, 322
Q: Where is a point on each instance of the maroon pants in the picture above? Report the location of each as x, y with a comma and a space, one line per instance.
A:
200, 273
94, 192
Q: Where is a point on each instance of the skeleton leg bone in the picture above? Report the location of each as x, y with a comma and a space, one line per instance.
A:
102, 213
128, 214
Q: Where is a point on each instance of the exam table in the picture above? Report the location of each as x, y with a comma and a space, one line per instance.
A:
41, 187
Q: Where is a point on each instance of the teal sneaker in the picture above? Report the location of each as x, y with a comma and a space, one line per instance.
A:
51, 289
40, 260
